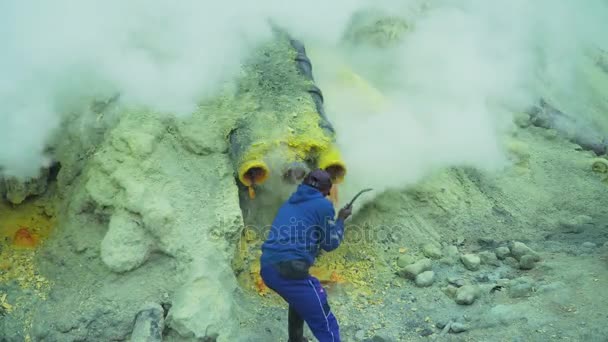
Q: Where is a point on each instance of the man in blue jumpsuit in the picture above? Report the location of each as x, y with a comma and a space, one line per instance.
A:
303, 225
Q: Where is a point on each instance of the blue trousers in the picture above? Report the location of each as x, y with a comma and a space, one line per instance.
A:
308, 299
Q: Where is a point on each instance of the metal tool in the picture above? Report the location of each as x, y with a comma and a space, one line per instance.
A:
350, 204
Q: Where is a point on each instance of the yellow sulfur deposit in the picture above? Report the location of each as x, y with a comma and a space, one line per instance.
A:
22, 229
283, 120
332, 269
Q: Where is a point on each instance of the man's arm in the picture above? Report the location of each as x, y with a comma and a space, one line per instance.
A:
333, 230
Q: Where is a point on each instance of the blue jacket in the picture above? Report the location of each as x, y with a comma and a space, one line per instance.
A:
303, 224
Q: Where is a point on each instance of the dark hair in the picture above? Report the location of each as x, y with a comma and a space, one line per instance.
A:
319, 179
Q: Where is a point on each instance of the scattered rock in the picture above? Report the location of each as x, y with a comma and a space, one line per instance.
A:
441, 324
527, 262
411, 271
460, 240
456, 281
467, 294
431, 251
502, 282
519, 249
451, 251
489, 258
405, 260
149, 324
376, 339
520, 287
450, 291
511, 261
470, 261
425, 279
577, 223
551, 287
426, 332
359, 335
458, 328
589, 245
502, 252
482, 278
450, 255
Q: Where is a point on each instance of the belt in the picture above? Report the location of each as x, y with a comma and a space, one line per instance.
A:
293, 269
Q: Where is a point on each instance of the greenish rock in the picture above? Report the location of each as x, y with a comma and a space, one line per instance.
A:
467, 294
519, 249
431, 251
502, 252
425, 279
527, 262
489, 258
470, 261
511, 261
520, 287
589, 245
405, 260
411, 271
456, 281
458, 328
450, 291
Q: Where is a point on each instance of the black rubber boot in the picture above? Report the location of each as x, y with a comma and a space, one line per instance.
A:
296, 326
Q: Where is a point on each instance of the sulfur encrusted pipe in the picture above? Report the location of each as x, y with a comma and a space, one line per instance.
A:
286, 119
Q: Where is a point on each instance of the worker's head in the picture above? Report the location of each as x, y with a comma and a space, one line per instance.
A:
320, 180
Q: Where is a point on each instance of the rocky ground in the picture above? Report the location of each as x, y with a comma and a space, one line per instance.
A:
517, 256
137, 233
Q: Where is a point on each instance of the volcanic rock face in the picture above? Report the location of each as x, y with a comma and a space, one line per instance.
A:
17, 190
150, 207
161, 198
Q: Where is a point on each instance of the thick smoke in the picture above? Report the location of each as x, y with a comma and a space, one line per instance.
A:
461, 64
167, 55
451, 85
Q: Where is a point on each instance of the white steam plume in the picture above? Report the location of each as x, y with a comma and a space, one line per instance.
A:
454, 81
462, 58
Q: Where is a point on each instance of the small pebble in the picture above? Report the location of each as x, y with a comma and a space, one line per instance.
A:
520, 287
519, 249
502, 252
451, 251
425, 279
471, 261
467, 294
456, 281
411, 271
441, 324
489, 258
502, 282
458, 328
589, 245
527, 262
431, 251
405, 260
426, 332
450, 291
512, 262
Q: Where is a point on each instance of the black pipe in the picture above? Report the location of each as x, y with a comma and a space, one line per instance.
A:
305, 67
546, 116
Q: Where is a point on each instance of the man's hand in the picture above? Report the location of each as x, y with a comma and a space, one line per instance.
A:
345, 212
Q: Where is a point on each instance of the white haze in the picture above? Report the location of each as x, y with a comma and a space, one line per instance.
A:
463, 64
452, 85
